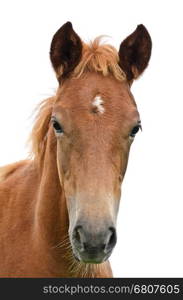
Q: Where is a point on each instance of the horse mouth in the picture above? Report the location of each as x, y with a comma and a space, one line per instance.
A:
90, 257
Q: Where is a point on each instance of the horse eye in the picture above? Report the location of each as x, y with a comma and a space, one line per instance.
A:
57, 126
135, 130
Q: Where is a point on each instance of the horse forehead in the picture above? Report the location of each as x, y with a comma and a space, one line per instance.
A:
85, 89
102, 97
99, 99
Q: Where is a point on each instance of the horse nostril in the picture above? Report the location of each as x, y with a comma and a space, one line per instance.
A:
77, 234
112, 240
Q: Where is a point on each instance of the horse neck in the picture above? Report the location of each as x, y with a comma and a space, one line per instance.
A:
51, 211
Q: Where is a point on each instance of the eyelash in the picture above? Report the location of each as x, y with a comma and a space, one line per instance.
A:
135, 130
57, 127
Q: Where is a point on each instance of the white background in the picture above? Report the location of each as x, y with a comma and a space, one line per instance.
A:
150, 222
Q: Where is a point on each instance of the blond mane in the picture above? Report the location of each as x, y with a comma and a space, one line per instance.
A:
100, 58
38, 135
95, 57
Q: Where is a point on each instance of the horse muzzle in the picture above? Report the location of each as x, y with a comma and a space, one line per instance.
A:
93, 246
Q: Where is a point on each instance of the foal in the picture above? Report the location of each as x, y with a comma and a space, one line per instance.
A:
59, 209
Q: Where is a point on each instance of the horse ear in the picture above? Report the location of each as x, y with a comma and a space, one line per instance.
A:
135, 52
65, 51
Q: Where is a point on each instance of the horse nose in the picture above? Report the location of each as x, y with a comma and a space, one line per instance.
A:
93, 247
